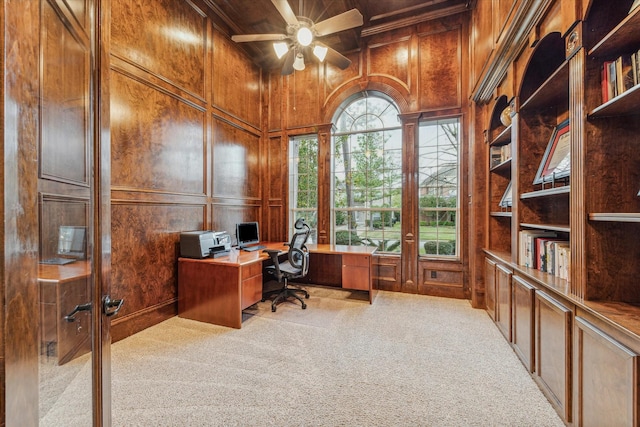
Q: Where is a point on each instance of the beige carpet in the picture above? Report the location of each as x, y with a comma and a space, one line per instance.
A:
406, 360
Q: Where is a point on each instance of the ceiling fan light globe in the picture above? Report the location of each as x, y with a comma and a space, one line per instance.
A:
298, 64
320, 52
304, 36
281, 49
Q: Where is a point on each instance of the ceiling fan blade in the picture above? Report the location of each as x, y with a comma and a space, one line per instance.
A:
337, 59
239, 38
344, 21
285, 10
287, 68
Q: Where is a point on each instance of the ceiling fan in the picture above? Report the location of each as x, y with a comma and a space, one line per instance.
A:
301, 33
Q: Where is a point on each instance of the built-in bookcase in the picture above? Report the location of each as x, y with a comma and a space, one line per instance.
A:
499, 183
543, 205
612, 161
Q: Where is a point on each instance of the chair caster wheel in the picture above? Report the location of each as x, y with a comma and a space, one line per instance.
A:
307, 296
273, 309
304, 306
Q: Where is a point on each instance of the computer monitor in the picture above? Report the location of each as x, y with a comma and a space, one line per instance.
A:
72, 242
247, 233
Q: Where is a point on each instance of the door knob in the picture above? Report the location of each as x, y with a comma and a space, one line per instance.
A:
111, 307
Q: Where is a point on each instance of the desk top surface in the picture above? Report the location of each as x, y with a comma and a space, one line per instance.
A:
240, 257
64, 273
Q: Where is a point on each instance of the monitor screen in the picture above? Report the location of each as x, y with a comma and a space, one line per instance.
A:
247, 233
72, 242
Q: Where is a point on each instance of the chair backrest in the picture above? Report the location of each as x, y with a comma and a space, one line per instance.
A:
298, 253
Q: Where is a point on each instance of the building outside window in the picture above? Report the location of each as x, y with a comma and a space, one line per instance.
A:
303, 183
439, 172
367, 174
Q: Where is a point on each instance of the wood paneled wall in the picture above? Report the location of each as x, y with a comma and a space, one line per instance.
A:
185, 147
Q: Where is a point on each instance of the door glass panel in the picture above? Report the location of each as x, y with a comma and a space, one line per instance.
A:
64, 271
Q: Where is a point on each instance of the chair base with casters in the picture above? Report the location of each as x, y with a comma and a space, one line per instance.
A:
284, 293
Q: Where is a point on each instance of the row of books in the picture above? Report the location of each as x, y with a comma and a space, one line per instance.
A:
620, 75
545, 251
500, 154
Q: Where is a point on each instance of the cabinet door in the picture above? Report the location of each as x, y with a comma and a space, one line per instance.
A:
604, 364
553, 352
522, 322
356, 272
490, 287
503, 300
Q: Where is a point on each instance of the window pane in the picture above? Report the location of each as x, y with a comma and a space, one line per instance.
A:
303, 182
438, 187
367, 165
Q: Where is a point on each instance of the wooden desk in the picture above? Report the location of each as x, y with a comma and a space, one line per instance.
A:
216, 290
61, 288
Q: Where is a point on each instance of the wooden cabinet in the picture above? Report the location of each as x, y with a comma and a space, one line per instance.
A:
61, 288
553, 351
606, 374
522, 331
490, 287
356, 272
503, 300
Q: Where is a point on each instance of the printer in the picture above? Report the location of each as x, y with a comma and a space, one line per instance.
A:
203, 243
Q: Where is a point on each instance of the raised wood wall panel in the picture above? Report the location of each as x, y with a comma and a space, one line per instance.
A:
157, 140
390, 59
80, 11
147, 236
440, 55
163, 37
54, 212
443, 279
483, 46
226, 213
236, 82
236, 162
304, 97
387, 273
606, 375
553, 352
274, 227
274, 97
64, 155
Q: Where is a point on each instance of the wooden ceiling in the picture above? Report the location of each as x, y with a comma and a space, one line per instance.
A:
261, 16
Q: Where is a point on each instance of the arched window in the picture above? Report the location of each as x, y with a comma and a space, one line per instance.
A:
367, 173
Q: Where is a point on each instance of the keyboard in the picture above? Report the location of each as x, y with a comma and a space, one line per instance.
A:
57, 261
253, 248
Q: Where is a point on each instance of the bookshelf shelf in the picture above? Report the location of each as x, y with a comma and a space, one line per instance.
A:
503, 137
502, 167
623, 37
554, 91
550, 227
623, 104
501, 214
615, 217
547, 192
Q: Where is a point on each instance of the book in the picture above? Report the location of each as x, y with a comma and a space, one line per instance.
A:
606, 96
527, 246
611, 80
624, 74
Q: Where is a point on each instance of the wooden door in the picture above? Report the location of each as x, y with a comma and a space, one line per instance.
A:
55, 343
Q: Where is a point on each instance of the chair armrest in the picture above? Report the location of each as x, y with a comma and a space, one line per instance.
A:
273, 254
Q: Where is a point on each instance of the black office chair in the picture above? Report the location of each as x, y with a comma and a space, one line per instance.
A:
295, 267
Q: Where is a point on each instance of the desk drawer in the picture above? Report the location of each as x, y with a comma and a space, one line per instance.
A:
355, 260
251, 291
251, 270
